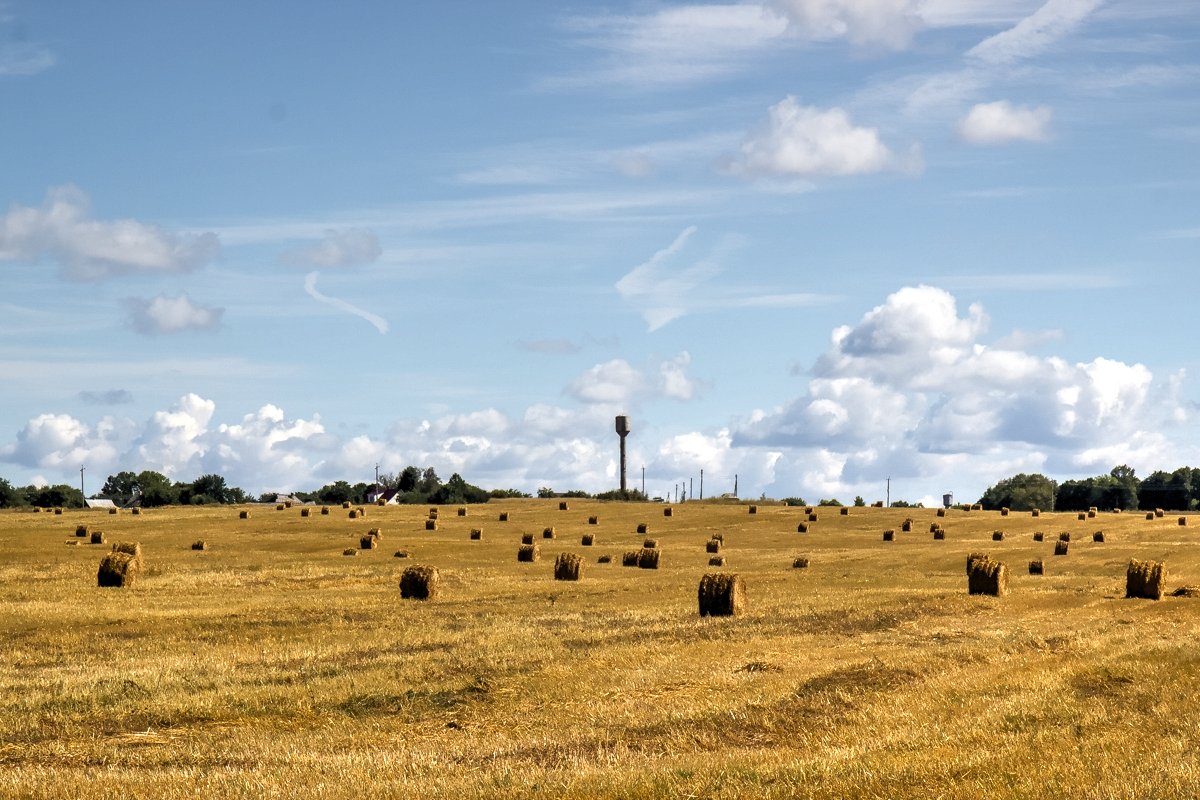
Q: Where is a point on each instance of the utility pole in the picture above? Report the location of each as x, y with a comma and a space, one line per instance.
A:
889, 491
643, 479
690, 488
701, 484
81, 491
735, 494
376, 474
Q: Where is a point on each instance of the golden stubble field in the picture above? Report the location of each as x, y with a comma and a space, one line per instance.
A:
270, 665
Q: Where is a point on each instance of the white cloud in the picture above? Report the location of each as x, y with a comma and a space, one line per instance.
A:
673, 380
1001, 122
1035, 33
166, 314
310, 286
59, 441
891, 23
660, 289
913, 390
618, 383
172, 441
86, 249
24, 59
808, 141
338, 248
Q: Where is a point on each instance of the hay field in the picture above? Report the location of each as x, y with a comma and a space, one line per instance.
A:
271, 665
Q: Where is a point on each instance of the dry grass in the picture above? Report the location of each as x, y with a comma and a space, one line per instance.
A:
271, 667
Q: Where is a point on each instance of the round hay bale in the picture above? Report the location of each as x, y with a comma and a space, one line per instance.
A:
593, 520
1037, 512
604, 559
648, 558
462, 511
112, 511
58, 511
650, 543
997, 536
325, 511
243, 514
939, 535
362, 512
564, 506
368, 542
1145, 579
717, 561
1082, 516
431, 525
1039, 536
548, 533
305, 512
1065, 536
1092, 514
630, 558
941, 512
1158, 512
1098, 536
1061, 547
1004, 512
934, 527
528, 553
907, 526
345, 504
802, 528
118, 569
353, 513
972, 558
989, 577
568, 567
643, 528
889, 536
753, 509
1149, 515
400, 554
1037, 567
526, 538
668, 512
504, 516
82, 530
845, 512
713, 546
349, 551
97, 537
200, 545
477, 534
433, 513
380, 502
722, 594
279, 507
812, 517
800, 563
587, 540
1183, 520
420, 582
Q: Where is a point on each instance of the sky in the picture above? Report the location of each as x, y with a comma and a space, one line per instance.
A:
830, 247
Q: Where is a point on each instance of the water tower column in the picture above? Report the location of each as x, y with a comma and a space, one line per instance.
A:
623, 431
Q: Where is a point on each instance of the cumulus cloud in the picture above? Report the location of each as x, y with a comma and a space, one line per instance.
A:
618, 383
339, 248
912, 388
890, 23
63, 231
1001, 122
809, 141
59, 441
165, 314
1035, 33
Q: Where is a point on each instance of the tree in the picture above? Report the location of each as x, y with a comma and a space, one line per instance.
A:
457, 490
10, 496
859, 502
409, 479
429, 481
209, 488
54, 496
1021, 492
120, 487
156, 489
335, 493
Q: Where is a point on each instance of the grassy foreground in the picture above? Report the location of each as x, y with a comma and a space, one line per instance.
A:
270, 665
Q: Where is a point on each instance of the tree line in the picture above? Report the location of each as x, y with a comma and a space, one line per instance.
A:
150, 489
1120, 488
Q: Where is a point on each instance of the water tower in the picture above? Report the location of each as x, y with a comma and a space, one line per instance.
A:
622, 431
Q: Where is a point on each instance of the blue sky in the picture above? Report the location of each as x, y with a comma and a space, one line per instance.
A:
814, 243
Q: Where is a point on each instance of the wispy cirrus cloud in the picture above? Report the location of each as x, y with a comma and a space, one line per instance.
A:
310, 286
343, 247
